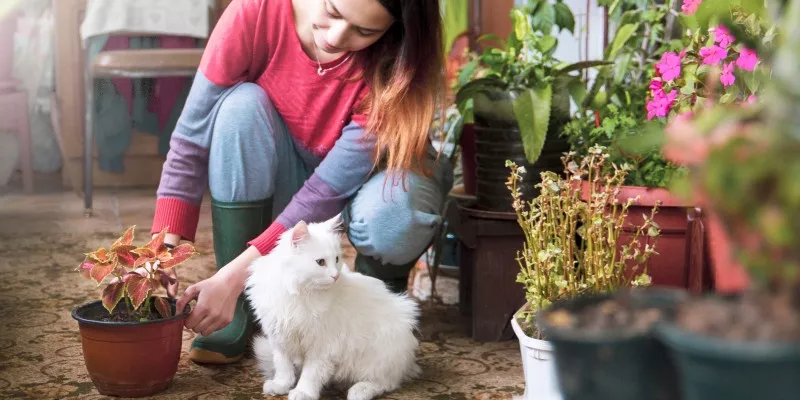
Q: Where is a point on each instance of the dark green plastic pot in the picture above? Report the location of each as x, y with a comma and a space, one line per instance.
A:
615, 365
718, 369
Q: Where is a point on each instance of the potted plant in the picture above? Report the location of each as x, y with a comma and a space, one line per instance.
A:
614, 114
742, 159
569, 253
517, 96
131, 338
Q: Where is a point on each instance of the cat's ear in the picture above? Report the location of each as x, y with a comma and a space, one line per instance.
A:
336, 224
299, 233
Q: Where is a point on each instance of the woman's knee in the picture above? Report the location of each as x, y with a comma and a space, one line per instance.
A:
242, 157
392, 225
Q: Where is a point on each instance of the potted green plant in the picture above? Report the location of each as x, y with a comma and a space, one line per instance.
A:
131, 338
570, 253
517, 96
742, 158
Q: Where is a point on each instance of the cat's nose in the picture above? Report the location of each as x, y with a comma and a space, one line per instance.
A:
335, 277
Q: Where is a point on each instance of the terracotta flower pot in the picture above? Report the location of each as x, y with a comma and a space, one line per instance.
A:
669, 266
129, 359
729, 275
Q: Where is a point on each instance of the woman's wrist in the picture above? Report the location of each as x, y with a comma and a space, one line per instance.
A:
237, 271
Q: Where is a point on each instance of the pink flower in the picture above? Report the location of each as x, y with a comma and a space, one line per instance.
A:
727, 77
690, 6
656, 85
747, 59
722, 36
669, 66
751, 99
660, 104
713, 55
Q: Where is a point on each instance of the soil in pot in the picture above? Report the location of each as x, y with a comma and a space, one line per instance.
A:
129, 359
605, 349
737, 347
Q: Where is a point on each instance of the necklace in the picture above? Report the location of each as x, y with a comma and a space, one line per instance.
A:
322, 71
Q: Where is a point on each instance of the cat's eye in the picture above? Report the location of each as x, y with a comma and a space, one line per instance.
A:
337, 259
321, 262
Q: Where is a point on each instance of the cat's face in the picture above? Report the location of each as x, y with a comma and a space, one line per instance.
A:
317, 253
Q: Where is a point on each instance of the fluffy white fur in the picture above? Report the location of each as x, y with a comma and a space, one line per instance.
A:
334, 325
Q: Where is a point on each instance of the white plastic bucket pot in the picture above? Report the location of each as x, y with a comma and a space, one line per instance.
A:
538, 363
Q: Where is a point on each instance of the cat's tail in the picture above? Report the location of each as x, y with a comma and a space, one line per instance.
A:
262, 350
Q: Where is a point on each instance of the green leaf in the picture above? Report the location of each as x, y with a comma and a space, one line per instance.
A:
547, 43
532, 111
564, 17
491, 37
478, 85
751, 81
621, 68
577, 90
620, 39
579, 65
544, 19
520, 22
112, 294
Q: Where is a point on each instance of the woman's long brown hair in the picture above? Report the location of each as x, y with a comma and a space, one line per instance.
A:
404, 70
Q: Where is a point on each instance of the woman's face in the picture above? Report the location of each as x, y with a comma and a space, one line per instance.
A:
348, 25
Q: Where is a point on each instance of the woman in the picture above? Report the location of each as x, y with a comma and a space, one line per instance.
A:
300, 110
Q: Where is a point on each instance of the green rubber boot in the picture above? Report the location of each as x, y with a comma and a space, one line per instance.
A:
394, 276
234, 224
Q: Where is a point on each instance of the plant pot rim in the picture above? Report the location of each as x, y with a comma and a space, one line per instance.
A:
526, 340
610, 336
647, 196
87, 321
683, 341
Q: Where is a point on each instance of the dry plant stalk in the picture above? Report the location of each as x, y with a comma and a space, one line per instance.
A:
572, 247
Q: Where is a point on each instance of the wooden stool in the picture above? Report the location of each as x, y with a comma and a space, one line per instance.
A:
488, 290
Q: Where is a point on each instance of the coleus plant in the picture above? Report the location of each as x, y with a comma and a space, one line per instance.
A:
135, 273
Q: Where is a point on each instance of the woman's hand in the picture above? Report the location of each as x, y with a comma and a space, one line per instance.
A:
216, 301
217, 296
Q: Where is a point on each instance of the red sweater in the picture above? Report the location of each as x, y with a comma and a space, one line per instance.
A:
256, 41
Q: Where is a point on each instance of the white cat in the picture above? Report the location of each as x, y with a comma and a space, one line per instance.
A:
338, 326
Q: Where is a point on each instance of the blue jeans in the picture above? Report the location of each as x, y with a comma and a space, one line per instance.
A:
253, 157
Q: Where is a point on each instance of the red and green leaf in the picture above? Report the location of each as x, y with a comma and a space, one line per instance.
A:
125, 255
164, 279
157, 242
125, 240
99, 255
179, 254
144, 254
85, 268
163, 307
138, 288
101, 270
112, 294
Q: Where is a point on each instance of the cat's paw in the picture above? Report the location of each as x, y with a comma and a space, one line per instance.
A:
273, 387
364, 391
299, 394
